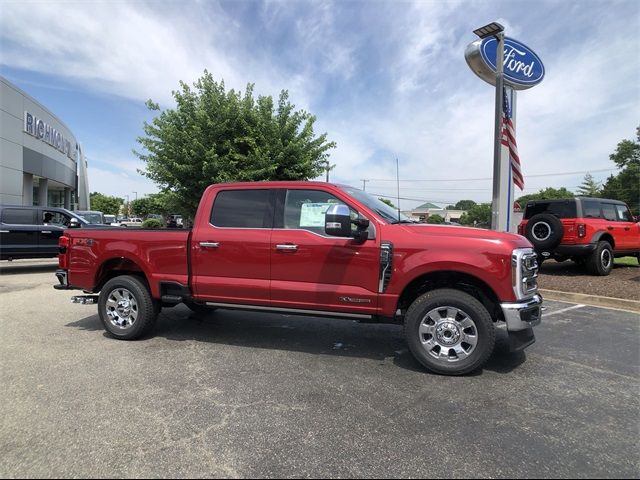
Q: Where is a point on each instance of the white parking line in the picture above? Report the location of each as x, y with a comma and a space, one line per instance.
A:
574, 307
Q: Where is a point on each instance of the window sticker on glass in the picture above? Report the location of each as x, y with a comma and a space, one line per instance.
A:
312, 214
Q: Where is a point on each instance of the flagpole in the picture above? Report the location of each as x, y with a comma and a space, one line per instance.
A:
496, 213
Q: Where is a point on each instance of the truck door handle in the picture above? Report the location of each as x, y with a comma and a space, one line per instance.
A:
4, 231
609, 228
287, 247
45, 231
209, 244
627, 228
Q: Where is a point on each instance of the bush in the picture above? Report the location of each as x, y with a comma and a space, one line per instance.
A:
152, 223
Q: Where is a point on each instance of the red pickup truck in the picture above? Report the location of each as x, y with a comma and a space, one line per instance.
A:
310, 248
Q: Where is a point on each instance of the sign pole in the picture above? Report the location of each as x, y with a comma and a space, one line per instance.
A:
498, 213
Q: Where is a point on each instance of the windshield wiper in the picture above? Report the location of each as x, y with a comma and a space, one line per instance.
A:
395, 222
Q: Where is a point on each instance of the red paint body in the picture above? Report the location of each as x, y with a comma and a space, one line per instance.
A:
247, 269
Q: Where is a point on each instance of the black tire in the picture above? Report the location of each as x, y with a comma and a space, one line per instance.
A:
601, 260
146, 307
419, 314
544, 231
196, 307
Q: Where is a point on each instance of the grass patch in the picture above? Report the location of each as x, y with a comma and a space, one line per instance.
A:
629, 261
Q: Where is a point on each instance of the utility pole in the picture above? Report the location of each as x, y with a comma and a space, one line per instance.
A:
364, 184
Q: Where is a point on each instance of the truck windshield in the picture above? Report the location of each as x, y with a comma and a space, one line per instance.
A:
390, 214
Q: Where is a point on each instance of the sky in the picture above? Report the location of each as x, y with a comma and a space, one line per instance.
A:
385, 80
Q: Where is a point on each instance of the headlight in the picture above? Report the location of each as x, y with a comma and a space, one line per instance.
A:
524, 272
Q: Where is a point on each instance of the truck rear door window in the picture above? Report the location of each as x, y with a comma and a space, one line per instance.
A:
249, 208
591, 209
17, 216
609, 211
562, 209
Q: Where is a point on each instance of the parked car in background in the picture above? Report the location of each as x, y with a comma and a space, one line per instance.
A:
109, 219
589, 231
91, 216
33, 232
133, 222
174, 221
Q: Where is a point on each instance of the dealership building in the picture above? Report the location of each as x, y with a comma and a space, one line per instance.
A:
41, 161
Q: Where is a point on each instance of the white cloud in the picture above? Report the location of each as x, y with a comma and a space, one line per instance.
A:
405, 87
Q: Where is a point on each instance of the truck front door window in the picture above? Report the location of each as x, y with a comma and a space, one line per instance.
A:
305, 209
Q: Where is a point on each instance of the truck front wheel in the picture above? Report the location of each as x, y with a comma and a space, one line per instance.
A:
449, 332
126, 308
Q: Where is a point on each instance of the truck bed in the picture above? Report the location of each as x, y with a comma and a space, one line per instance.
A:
162, 255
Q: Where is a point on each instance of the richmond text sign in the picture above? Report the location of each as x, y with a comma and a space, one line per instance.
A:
41, 130
522, 67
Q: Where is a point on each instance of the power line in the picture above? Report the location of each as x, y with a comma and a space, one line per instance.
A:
557, 174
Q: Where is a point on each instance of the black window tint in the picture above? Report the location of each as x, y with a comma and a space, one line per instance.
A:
242, 209
562, 209
609, 211
55, 218
304, 209
591, 209
17, 216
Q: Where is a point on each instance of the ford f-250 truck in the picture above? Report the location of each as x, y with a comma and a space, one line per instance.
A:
309, 248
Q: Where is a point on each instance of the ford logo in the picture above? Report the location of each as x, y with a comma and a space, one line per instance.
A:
522, 67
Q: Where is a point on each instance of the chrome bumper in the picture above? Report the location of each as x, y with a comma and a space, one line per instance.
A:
523, 315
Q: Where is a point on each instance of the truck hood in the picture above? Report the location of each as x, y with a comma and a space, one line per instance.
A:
511, 240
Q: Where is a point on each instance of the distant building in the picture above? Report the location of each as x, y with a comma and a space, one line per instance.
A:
424, 211
41, 162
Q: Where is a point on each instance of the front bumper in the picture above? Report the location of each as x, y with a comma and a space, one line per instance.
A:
523, 315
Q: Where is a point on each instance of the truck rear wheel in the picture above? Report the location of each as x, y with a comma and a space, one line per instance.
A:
449, 332
601, 260
126, 308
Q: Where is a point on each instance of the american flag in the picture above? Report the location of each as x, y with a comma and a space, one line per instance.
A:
509, 140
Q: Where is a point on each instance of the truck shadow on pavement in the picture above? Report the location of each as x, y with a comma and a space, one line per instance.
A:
7, 268
316, 336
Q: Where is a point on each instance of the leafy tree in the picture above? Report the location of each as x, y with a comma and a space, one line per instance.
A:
105, 204
464, 205
214, 135
435, 218
478, 215
546, 194
152, 223
154, 203
387, 201
625, 185
589, 187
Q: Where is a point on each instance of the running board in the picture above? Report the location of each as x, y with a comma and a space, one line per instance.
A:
290, 311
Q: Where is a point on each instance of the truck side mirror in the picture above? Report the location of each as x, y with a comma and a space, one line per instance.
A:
337, 221
74, 223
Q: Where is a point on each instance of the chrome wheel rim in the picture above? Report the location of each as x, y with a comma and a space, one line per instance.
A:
448, 334
121, 308
605, 258
541, 231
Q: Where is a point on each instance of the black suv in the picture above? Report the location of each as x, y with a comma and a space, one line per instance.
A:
33, 232
589, 231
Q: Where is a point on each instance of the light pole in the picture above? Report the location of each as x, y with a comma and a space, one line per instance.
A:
136, 195
496, 30
364, 184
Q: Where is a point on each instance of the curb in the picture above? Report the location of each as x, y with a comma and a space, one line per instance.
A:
593, 300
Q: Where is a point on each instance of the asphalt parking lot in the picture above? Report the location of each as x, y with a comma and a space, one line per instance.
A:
236, 394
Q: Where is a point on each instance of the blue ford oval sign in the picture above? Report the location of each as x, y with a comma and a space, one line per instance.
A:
522, 67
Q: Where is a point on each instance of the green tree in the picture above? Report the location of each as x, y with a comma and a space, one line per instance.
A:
387, 201
589, 187
478, 215
464, 205
435, 218
105, 204
625, 186
214, 136
548, 193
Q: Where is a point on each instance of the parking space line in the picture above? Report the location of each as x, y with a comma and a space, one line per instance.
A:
574, 307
